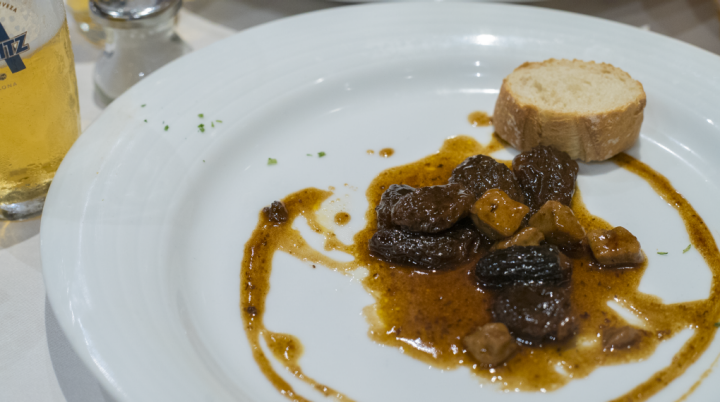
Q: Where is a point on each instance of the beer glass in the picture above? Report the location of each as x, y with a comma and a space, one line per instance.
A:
39, 112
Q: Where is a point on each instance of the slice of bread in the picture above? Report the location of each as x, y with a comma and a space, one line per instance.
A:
590, 110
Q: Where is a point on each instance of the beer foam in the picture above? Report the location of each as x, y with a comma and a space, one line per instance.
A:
41, 19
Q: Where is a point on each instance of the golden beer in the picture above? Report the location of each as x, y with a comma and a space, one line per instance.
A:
39, 121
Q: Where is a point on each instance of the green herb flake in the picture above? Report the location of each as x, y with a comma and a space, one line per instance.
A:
218, 121
321, 154
143, 105
201, 115
203, 160
167, 128
201, 127
272, 161
717, 325
309, 154
662, 252
212, 124
687, 248
145, 120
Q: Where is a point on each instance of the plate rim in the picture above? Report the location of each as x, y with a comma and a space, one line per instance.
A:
56, 294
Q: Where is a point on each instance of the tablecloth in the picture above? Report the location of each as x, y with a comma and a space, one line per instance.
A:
36, 360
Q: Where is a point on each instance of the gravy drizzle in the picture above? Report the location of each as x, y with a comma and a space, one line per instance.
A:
479, 119
386, 152
429, 324
342, 218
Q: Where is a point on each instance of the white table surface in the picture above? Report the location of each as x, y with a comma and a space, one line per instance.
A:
36, 360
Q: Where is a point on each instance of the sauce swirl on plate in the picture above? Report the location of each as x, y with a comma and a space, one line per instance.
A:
426, 314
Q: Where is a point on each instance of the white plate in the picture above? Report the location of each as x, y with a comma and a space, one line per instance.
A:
144, 228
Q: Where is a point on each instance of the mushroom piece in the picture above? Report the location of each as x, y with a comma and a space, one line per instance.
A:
497, 215
525, 237
480, 173
536, 313
276, 212
431, 251
387, 201
545, 174
558, 224
432, 209
615, 247
523, 265
490, 344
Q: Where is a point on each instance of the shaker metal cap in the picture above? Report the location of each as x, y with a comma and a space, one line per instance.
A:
128, 14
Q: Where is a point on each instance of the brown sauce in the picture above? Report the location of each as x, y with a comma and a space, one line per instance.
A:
479, 119
342, 218
386, 152
446, 309
370, 152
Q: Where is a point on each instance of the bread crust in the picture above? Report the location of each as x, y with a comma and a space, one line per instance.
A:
588, 137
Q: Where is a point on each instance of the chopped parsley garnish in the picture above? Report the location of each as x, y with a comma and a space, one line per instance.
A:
143, 105
687, 248
201, 115
717, 325
309, 154
662, 252
145, 120
218, 121
321, 154
201, 127
167, 128
272, 161
212, 124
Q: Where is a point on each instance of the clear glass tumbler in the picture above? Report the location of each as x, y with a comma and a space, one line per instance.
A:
39, 112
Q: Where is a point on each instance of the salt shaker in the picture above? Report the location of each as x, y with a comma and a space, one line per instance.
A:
139, 39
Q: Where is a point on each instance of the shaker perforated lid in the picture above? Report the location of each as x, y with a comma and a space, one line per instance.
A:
128, 14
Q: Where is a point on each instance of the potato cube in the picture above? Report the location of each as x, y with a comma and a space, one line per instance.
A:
525, 237
490, 344
615, 247
497, 215
558, 224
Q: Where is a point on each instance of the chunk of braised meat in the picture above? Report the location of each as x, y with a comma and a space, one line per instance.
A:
523, 264
276, 212
536, 313
621, 338
433, 251
490, 344
615, 247
496, 215
545, 174
528, 236
432, 209
480, 173
558, 224
387, 201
